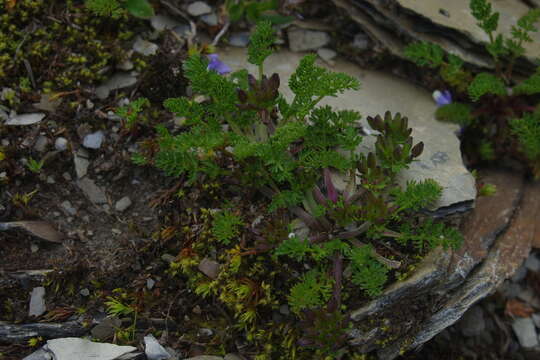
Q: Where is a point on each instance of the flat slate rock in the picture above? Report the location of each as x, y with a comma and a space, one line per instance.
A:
82, 349
441, 159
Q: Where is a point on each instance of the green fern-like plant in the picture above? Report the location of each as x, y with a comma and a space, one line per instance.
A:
367, 272
226, 226
313, 291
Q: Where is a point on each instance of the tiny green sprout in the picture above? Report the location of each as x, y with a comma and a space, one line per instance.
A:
34, 165
487, 190
132, 111
35, 341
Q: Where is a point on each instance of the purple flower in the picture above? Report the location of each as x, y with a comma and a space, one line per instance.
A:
442, 98
217, 65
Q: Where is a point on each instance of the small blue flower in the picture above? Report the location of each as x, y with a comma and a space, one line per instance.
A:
217, 65
442, 98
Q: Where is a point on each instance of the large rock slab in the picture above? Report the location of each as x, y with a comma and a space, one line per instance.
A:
82, 349
380, 92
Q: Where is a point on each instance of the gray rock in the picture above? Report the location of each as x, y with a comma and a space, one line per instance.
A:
510, 289
232, 357
46, 104
154, 350
150, 283
168, 258
81, 349
145, 47
41, 143
441, 159
93, 140
37, 302
163, 22
93, 192
81, 166
210, 19
361, 41
327, 55
205, 357
84, 292
125, 65
60, 144
525, 332
533, 263
117, 81
41, 354
530, 297
66, 205
198, 8
182, 30
25, 119
209, 268
122, 204
473, 323
536, 320
239, 39
106, 328
305, 40
519, 274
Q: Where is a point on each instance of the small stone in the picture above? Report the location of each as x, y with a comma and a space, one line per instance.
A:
25, 119
361, 41
41, 143
34, 248
519, 274
106, 328
284, 310
66, 205
163, 22
150, 283
239, 39
84, 292
232, 357
145, 47
532, 263
37, 302
305, 40
205, 357
525, 332
93, 192
206, 332
123, 204
473, 323
81, 166
154, 350
210, 19
125, 65
196, 310
168, 258
50, 180
182, 30
117, 81
209, 268
328, 55
66, 176
60, 144
116, 231
89, 104
198, 8
93, 140
46, 104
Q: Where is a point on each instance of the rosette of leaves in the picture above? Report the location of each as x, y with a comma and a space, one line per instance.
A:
114, 8
496, 109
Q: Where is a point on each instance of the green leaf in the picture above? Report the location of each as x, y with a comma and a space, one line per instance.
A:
140, 8
457, 113
313, 291
226, 226
425, 54
367, 272
236, 11
485, 83
261, 41
417, 195
529, 86
527, 130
